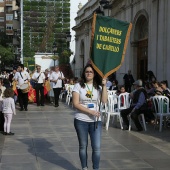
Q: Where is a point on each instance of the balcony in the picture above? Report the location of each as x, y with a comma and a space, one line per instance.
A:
9, 32
8, 3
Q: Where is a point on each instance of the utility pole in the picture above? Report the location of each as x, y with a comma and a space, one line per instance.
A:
21, 8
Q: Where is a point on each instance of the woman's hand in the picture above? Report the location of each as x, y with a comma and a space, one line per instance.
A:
95, 113
104, 82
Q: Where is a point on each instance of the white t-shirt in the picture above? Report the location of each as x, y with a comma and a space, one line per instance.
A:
54, 76
85, 101
22, 79
40, 75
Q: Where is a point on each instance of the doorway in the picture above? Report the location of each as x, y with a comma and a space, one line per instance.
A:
142, 59
141, 39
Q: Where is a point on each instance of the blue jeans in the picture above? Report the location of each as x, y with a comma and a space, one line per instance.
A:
82, 129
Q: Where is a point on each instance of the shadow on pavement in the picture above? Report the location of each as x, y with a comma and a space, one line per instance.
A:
44, 153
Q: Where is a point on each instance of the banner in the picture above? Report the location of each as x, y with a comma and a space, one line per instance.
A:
109, 40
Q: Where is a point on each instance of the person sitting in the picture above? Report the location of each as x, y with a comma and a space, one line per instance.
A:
137, 107
109, 83
166, 90
114, 85
157, 88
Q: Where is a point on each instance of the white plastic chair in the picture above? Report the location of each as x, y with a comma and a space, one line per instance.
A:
143, 121
125, 105
161, 106
111, 92
123, 101
111, 110
69, 94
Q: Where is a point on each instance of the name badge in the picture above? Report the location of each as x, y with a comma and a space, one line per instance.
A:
90, 105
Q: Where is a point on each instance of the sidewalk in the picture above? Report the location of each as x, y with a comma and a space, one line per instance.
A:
45, 139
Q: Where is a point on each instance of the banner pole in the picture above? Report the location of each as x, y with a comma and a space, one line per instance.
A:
99, 107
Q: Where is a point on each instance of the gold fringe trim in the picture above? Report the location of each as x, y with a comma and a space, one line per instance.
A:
93, 32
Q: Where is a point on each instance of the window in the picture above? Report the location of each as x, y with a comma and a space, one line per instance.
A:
1, 9
9, 27
1, 29
9, 17
9, 9
1, 19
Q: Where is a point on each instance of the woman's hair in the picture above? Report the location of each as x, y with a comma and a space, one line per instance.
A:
116, 82
8, 92
96, 79
165, 82
156, 82
0, 91
21, 65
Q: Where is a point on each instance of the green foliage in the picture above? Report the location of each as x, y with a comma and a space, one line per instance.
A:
27, 51
6, 54
37, 15
4, 40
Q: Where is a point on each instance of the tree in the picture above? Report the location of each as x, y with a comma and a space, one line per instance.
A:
6, 54
65, 57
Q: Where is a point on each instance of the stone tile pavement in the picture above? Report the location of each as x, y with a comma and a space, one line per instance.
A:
45, 139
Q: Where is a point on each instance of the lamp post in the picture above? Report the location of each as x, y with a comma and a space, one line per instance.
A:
106, 7
54, 51
68, 39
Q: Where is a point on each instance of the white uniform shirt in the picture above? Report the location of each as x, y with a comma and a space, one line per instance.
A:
3, 89
8, 106
22, 79
40, 75
85, 100
54, 76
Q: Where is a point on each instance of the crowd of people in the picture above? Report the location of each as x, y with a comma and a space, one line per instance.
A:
24, 87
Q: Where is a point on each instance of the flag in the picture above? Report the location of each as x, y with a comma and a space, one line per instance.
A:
109, 41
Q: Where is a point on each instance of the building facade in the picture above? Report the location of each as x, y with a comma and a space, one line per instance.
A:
148, 47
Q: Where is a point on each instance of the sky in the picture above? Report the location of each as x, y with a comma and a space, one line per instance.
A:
73, 14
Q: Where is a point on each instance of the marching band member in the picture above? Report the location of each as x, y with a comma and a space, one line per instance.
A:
39, 78
22, 77
57, 77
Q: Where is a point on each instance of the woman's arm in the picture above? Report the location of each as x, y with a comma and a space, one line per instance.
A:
104, 92
83, 109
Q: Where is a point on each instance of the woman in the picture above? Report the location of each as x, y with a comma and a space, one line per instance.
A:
114, 85
166, 90
157, 88
86, 95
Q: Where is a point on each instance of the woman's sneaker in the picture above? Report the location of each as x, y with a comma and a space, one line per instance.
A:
10, 133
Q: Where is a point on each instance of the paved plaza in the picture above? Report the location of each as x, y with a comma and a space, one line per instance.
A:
45, 139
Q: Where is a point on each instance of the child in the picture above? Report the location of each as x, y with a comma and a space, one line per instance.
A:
8, 110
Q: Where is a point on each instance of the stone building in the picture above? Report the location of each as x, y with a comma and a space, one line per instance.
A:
148, 47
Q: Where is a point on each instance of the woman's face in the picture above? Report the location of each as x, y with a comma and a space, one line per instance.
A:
113, 83
89, 74
122, 90
163, 86
155, 85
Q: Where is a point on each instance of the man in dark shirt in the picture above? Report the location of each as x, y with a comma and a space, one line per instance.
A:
128, 81
138, 105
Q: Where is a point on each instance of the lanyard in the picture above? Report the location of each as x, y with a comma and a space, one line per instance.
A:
90, 91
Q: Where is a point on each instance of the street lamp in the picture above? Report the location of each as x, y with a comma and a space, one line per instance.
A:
54, 51
106, 6
68, 38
